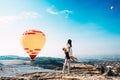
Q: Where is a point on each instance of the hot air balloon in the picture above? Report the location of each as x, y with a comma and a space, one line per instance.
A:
32, 42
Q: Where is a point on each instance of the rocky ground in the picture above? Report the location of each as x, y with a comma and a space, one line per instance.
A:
78, 72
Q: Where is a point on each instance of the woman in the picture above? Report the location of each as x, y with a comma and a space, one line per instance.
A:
68, 54
67, 51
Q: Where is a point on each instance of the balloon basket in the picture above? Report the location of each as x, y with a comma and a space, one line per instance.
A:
32, 60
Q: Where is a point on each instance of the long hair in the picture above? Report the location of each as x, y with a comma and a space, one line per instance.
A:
69, 42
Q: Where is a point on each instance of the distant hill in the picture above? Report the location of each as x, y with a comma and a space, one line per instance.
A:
112, 57
106, 57
13, 57
45, 62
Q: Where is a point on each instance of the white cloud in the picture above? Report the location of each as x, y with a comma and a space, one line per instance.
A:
52, 10
66, 13
6, 19
29, 14
23, 15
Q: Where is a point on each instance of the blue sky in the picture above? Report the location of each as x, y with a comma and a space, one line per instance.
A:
93, 27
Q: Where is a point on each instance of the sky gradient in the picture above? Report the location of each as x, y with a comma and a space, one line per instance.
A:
91, 24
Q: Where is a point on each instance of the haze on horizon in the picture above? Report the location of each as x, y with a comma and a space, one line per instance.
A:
93, 27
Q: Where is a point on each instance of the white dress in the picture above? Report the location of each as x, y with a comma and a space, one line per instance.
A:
68, 46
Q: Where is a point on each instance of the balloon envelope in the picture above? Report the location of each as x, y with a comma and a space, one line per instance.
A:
32, 42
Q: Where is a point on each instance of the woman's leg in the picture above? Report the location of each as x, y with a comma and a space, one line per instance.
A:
64, 66
68, 65
71, 57
74, 59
